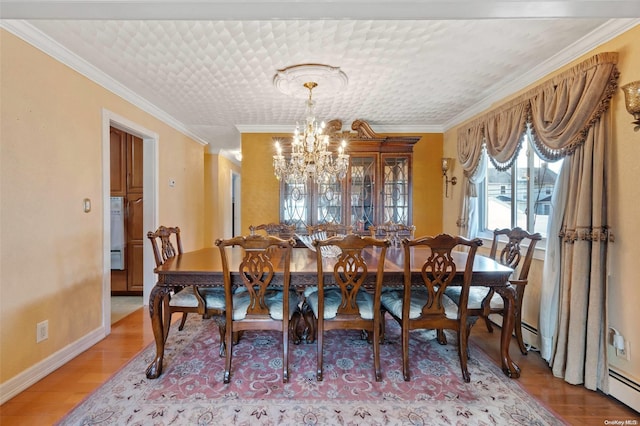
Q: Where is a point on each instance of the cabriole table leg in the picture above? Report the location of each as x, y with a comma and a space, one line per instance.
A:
509, 367
156, 300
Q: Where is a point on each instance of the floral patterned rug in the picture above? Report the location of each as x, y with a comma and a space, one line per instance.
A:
191, 392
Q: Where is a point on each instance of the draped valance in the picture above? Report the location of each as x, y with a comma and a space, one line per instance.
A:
559, 112
566, 117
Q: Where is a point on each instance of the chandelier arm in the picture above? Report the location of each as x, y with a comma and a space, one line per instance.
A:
310, 156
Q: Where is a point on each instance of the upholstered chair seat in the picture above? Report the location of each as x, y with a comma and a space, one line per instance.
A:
333, 299
391, 299
213, 297
273, 299
476, 297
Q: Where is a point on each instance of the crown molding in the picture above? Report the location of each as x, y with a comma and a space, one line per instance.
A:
602, 34
39, 40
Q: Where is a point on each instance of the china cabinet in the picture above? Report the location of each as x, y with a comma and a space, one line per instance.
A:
377, 188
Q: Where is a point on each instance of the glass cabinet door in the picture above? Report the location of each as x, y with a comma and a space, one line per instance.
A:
329, 203
306, 204
363, 193
294, 202
396, 198
376, 190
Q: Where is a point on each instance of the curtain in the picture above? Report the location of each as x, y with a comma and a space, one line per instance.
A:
568, 119
470, 146
503, 133
472, 157
468, 221
551, 268
580, 350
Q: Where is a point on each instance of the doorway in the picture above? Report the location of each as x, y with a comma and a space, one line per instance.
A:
236, 225
149, 209
127, 205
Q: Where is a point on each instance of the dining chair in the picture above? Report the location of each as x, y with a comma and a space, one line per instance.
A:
423, 304
256, 301
483, 301
189, 299
395, 232
280, 230
330, 228
342, 302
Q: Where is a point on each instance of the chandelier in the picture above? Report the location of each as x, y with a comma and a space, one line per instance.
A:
310, 155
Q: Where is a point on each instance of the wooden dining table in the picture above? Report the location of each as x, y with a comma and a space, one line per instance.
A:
203, 268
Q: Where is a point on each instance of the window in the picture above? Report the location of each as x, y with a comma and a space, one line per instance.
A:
521, 195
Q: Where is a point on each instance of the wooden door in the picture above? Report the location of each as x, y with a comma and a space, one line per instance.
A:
135, 242
135, 202
127, 181
134, 164
118, 162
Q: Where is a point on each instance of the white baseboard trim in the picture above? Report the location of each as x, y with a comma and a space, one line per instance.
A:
624, 389
621, 387
22, 381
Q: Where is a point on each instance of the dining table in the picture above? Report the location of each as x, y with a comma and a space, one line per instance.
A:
203, 268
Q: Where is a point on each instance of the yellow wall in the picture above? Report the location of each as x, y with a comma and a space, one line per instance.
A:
218, 223
181, 160
624, 292
210, 207
260, 188
50, 160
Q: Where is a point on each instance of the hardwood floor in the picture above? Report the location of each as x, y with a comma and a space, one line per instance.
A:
574, 404
51, 398
47, 401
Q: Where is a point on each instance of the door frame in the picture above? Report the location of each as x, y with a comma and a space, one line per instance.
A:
235, 202
150, 208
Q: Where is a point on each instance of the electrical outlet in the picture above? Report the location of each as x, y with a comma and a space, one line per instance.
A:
625, 351
42, 331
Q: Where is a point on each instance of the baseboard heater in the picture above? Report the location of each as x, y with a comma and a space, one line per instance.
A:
621, 388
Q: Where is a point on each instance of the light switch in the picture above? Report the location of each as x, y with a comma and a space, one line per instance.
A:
86, 205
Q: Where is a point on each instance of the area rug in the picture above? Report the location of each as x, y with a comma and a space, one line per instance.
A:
190, 390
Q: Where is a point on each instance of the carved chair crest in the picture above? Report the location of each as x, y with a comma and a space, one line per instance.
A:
437, 273
349, 273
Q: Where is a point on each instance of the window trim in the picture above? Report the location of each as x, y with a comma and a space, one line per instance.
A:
487, 234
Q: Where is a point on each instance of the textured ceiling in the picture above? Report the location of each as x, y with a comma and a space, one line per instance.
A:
214, 77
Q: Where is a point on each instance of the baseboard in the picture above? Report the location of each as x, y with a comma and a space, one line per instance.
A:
621, 387
624, 389
529, 333
22, 381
